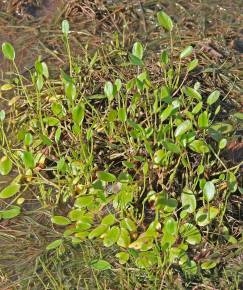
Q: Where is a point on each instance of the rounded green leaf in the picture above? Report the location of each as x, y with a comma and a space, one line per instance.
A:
192, 65
111, 236
137, 50
108, 90
203, 120
170, 226
53, 245
28, 159
10, 213
100, 265
122, 114
159, 155
190, 233
209, 191
222, 143
186, 52
8, 51
165, 21
95, 233
183, 128
84, 201
78, 114
124, 239
207, 265
65, 27
28, 139
10, 190
123, 257
188, 200
5, 165
60, 220
205, 216
213, 97
108, 220
106, 176
199, 146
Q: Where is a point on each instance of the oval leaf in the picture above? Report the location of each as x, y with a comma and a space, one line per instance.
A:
10, 190
5, 165
165, 21
8, 51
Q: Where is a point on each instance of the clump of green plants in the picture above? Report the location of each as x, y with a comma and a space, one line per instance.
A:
135, 164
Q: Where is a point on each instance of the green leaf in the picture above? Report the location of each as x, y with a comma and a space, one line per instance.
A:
84, 201
100, 265
186, 52
95, 233
183, 128
164, 57
60, 220
10, 190
108, 220
209, 264
51, 121
135, 60
137, 50
123, 257
171, 147
78, 114
170, 226
165, 21
28, 159
166, 113
2, 115
122, 114
213, 97
65, 27
190, 233
199, 146
188, 200
106, 176
190, 92
159, 155
5, 165
222, 143
192, 65
8, 51
111, 236
209, 191
70, 91
10, 213
124, 239
108, 90
53, 245
129, 224
232, 182
238, 115
203, 121
205, 216
28, 139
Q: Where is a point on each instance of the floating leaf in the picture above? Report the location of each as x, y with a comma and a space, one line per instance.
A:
53, 245
8, 51
183, 128
186, 52
165, 21
138, 50
60, 220
100, 265
106, 176
5, 165
10, 190
209, 191
213, 97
